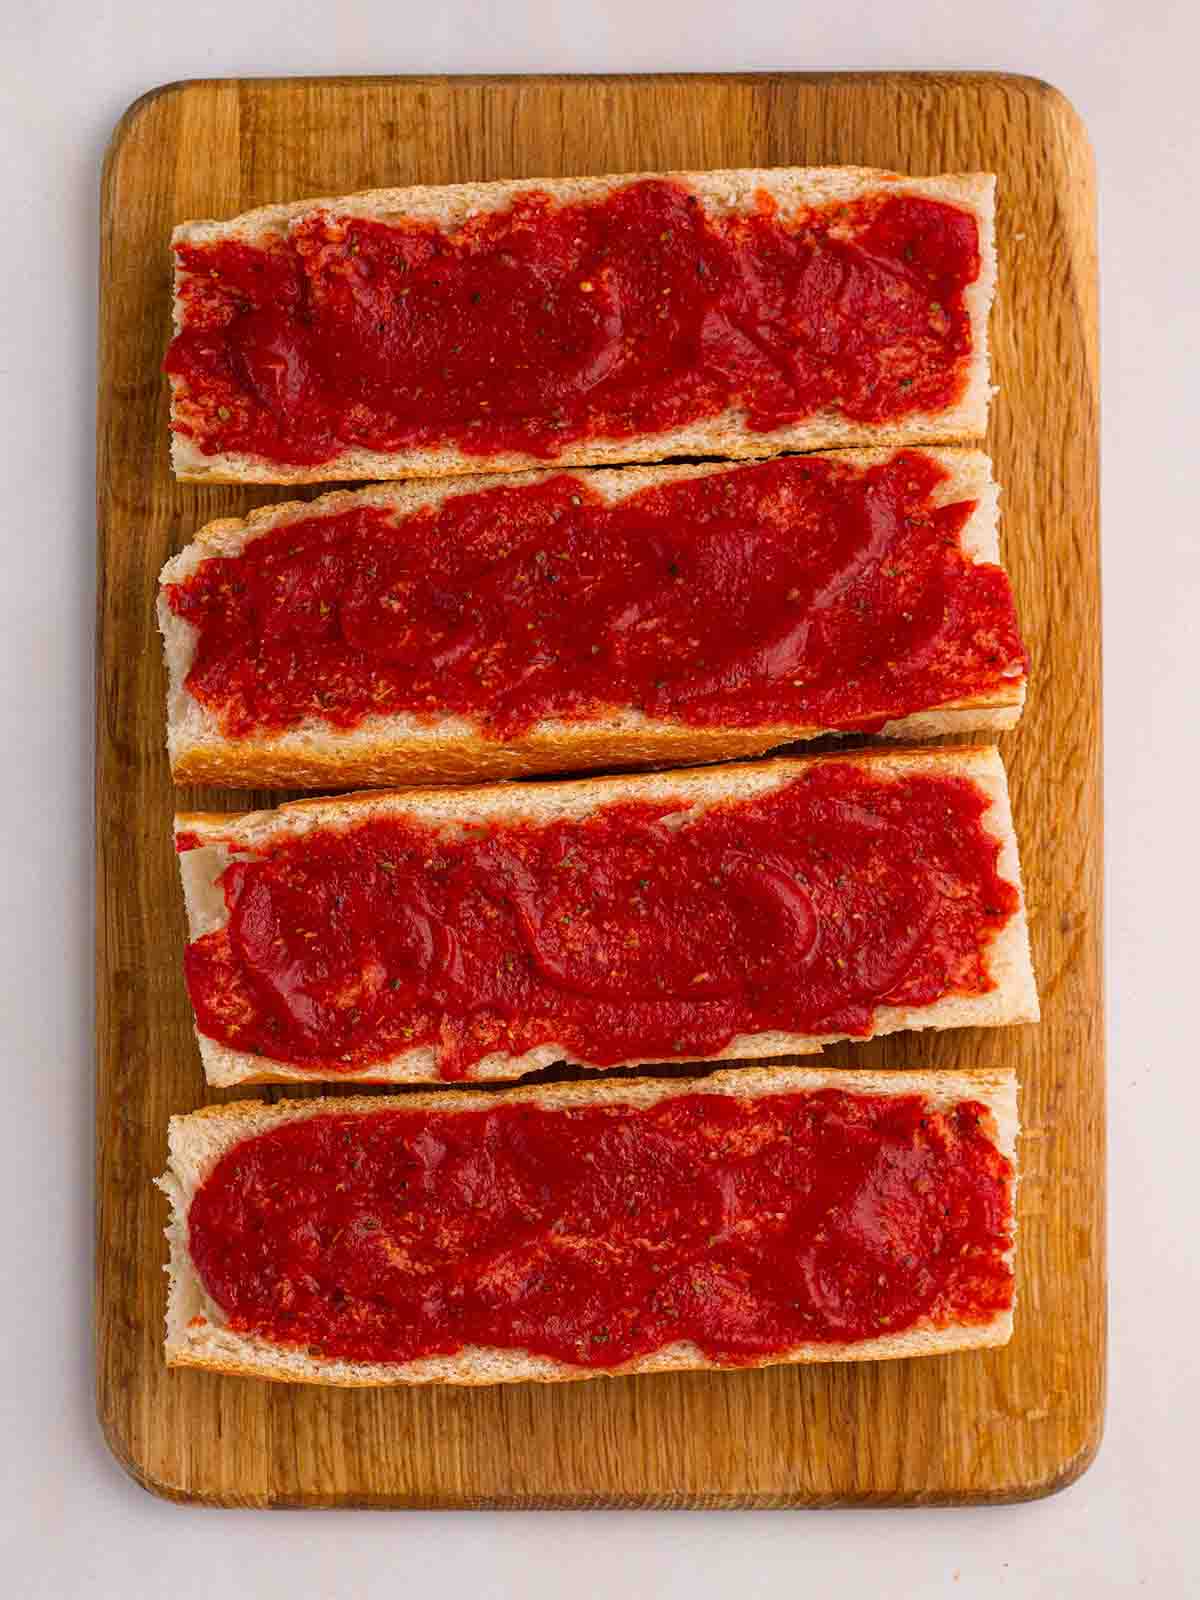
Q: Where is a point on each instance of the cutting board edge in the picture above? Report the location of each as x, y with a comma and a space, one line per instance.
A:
1074, 1464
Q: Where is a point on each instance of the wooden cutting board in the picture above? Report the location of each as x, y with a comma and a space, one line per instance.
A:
1002, 1425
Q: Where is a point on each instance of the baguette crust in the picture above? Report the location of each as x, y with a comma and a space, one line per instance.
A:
1014, 998
793, 188
406, 749
195, 1336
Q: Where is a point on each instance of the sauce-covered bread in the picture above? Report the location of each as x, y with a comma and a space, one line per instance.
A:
739, 911
561, 1232
476, 628
490, 327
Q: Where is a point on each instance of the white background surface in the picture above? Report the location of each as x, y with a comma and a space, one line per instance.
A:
70, 1523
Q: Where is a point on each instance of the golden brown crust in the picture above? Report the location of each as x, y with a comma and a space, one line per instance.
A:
598, 791
583, 747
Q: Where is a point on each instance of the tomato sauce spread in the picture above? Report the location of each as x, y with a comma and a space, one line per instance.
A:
546, 324
599, 1234
800, 591
635, 933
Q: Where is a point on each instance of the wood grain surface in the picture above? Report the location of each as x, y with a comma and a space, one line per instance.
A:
992, 1426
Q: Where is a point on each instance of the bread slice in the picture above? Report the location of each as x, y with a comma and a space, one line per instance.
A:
220, 837
792, 188
405, 748
197, 1337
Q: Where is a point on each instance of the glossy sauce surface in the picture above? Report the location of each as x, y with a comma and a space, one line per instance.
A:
620, 936
800, 591
602, 1234
545, 324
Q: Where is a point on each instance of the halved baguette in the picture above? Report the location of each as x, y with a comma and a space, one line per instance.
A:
792, 188
216, 838
405, 748
197, 1334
